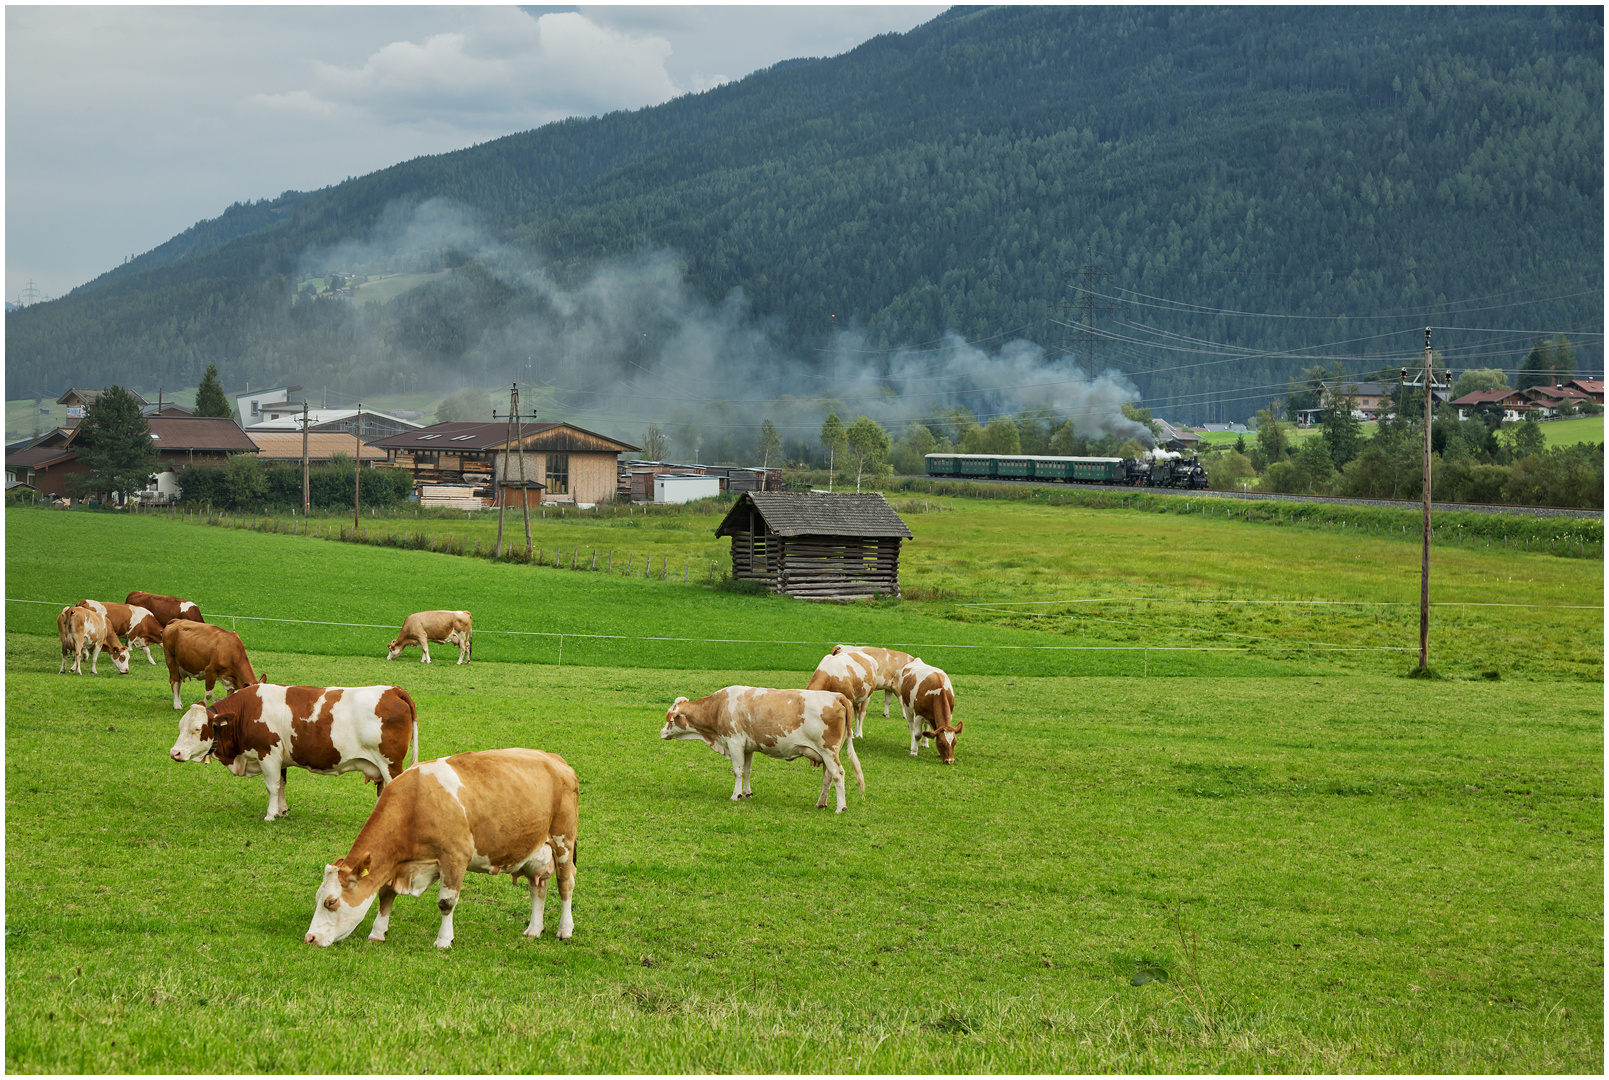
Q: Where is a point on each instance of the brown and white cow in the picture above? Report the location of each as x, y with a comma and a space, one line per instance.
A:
858, 672
496, 811
423, 627
928, 702
165, 608
198, 650
136, 625
266, 729
737, 721
83, 628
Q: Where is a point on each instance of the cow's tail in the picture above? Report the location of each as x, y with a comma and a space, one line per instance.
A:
849, 747
413, 714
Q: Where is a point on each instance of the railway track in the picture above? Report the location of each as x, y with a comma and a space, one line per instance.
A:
1268, 496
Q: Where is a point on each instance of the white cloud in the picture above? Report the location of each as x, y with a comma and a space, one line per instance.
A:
506, 65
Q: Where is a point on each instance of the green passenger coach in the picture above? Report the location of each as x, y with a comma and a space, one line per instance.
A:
1077, 470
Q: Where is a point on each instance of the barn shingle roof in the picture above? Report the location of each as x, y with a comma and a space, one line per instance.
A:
816, 514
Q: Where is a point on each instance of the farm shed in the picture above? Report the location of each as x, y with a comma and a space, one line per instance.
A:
816, 546
573, 465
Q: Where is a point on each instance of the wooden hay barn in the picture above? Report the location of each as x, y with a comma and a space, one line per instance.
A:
816, 546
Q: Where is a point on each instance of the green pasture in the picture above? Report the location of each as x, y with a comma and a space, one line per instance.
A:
1280, 858
1580, 429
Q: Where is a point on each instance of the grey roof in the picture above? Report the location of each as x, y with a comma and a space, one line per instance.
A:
816, 514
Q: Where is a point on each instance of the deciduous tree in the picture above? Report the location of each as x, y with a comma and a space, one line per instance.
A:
868, 446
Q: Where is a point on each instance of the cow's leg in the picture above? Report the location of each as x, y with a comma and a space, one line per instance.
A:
887, 693
748, 768
832, 778
273, 780
860, 715
176, 684
206, 698
564, 855
382, 921
539, 899
424, 655
148, 657
447, 900
915, 723
94, 659
736, 756
463, 648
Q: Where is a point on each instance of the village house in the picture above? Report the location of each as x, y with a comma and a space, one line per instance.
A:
1514, 403
571, 464
181, 441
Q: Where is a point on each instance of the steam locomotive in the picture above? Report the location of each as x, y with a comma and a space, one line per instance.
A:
1159, 468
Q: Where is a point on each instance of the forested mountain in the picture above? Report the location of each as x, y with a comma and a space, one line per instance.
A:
1252, 189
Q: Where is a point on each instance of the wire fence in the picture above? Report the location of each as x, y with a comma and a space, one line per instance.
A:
1307, 647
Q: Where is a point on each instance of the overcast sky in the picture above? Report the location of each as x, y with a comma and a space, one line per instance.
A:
127, 125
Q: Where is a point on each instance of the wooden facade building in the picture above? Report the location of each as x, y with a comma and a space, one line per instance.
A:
571, 464
816, 546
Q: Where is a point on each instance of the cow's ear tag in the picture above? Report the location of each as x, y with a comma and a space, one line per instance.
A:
365, 872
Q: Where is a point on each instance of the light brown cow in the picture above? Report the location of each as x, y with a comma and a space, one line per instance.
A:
858, 672
136, 625
737, 721
84, 628
423, 627
496, 811
198, 650
928, 702
165, 608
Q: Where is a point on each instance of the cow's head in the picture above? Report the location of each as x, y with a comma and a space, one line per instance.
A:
343, 899
944, 736
678, 725
197, 735
119, 655
394, 649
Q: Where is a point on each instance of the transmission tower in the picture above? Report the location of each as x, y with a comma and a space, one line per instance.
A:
1081, 335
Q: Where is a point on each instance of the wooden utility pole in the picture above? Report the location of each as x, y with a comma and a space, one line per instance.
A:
357, 466
525, 492
502, 475
305, 490
1424, 561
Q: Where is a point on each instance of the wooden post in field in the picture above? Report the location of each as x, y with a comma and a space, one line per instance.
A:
1424, 562
306, 500
502, 478
525, 494
357, 465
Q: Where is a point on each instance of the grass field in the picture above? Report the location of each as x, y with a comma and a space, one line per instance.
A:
1272, 861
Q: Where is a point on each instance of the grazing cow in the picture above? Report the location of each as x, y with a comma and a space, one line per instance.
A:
858, 672
785, 724
423, 627
165, 608
84, 628
266, 729
198, 650
928, 702
496, 811
136, 625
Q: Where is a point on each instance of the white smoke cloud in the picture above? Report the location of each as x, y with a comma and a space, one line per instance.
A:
632, 343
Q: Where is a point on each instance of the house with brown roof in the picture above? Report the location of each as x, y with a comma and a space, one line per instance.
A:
78, 399
1593, 388
1550, 398
1514, 403
816, 545
572, 464
274, 447
181, 441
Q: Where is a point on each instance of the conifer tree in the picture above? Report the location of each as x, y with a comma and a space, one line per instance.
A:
210, 399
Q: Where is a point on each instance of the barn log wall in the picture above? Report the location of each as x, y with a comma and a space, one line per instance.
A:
817, 567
